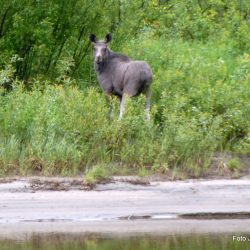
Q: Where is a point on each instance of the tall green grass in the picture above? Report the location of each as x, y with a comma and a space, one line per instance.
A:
200, 105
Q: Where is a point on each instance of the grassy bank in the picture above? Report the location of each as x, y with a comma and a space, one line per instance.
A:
200, 105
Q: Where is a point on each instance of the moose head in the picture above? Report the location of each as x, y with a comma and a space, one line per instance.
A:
101, 51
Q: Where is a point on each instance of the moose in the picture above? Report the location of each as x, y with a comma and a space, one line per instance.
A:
119, 75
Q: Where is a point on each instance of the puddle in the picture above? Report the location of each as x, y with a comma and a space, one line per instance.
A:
216, 216
145, 217
237, 241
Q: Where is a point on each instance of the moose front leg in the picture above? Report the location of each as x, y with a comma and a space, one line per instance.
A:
122, 105
111, 110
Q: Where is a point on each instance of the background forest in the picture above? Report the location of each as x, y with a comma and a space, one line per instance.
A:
53, 115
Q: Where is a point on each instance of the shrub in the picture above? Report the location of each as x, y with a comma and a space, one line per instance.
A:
200, 105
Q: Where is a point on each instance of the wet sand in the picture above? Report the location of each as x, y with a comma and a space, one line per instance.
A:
123, 208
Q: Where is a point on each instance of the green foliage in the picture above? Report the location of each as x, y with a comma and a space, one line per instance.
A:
139, 242
53, 120
234, 164
98, 173
44, 35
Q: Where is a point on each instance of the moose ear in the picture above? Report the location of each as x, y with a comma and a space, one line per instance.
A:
108, 38
92, 38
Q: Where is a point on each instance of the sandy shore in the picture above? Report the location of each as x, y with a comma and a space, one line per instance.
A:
123, 208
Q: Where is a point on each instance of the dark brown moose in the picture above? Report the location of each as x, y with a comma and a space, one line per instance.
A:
119, 75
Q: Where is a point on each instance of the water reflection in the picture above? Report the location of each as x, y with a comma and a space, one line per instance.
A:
146, 242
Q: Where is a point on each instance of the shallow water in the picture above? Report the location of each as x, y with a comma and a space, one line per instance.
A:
145, 242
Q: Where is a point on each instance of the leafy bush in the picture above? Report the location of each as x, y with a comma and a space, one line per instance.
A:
200, 105
53, 120
234, 164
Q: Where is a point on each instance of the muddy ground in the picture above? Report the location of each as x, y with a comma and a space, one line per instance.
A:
123, 206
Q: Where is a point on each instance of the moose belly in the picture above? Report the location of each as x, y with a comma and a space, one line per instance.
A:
111, 89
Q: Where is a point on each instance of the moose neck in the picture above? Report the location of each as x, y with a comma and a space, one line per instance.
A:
99, 67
